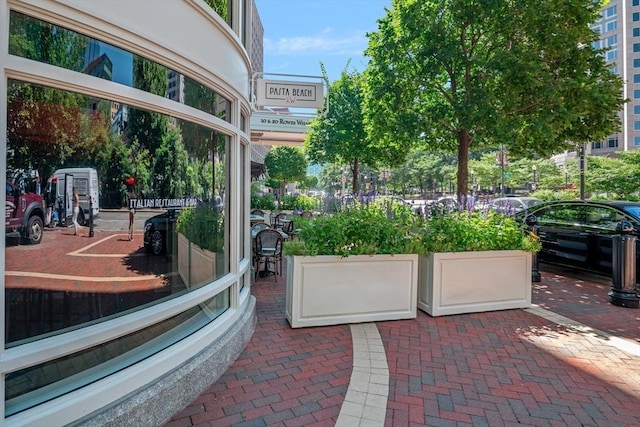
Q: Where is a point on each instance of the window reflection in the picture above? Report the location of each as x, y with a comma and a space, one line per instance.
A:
57, 377
43, 42
171, 174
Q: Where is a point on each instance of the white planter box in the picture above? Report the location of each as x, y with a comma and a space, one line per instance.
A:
330, 290
469, 282
195, 265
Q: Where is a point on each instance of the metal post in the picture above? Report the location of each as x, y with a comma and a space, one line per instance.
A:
581, 165
623, 276
534, 168
531, 222
502, 171
90, 216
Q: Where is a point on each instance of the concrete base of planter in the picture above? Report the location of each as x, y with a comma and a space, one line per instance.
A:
330, 290
469, 282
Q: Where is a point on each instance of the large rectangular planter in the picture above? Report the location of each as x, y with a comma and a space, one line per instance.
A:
469, 282
195, 265
330, 290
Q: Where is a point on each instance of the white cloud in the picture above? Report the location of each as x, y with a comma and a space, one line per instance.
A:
327, 42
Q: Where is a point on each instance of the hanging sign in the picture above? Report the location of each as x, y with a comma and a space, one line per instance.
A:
280, 93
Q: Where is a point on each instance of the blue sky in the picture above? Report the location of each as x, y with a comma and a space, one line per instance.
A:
299, 34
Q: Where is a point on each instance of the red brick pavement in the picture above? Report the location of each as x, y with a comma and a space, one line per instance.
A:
586, 300
105, 255
284, 376
501, 368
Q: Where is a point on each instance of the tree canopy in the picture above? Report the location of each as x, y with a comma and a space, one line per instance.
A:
285, 164
456, 75
337, 134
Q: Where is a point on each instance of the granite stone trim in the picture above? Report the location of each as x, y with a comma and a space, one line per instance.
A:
156, 404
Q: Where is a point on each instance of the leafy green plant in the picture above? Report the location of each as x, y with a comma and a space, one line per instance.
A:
202, 226
266, 202
467, 231
359, 230
299, 201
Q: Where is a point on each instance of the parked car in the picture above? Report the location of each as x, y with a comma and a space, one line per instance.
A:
579, 233
158, 229
24, 216
439, 205
390, 198
513, 205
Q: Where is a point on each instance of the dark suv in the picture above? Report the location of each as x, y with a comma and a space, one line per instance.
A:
158, 229
24, 215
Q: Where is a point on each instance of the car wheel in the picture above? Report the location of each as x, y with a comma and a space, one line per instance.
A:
33, 233
157, 242
81, 220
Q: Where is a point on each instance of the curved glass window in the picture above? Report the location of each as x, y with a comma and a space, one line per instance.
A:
54, 378
43, 42
152, 215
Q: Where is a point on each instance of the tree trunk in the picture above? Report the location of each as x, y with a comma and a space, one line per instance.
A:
354, 181
464, 142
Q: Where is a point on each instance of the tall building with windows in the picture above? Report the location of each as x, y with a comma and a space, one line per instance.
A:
619, 28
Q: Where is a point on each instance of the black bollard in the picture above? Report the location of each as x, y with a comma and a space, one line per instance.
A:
90, 216
531, 222
624, 292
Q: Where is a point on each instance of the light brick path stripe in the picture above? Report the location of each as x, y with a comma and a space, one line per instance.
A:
366, 401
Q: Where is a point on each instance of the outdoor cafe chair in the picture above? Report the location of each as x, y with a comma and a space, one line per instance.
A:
287, 228
281, 219
259, 226
272, 217
268, 252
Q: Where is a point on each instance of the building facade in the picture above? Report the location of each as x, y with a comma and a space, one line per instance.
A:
619, 27
111, 327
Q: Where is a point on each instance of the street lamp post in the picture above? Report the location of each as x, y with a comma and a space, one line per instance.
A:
534, 168
582, 167
473, 182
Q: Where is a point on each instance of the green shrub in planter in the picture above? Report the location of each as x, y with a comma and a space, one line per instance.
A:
359, 230
299, 201
468, 231
266, 202
203, 226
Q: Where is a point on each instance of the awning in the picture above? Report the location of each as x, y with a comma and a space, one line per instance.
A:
257, 170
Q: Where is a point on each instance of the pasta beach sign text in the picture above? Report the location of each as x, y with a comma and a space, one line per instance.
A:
289, 93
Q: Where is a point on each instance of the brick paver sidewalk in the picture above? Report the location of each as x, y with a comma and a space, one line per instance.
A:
512, 367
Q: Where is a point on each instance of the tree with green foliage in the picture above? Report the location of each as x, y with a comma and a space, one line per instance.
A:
170, 163
457, 75
148, 128
285, 164
611, 176
337, 134
42, 122
329, 178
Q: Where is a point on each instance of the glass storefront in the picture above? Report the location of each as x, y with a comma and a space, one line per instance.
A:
34, 385
43, 42
113, 209
174, 185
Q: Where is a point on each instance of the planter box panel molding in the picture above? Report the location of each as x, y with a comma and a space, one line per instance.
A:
468, 282
330, 290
